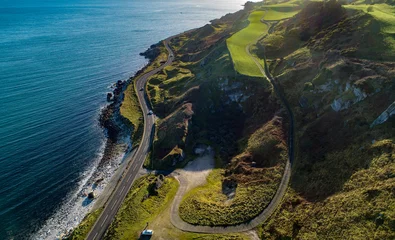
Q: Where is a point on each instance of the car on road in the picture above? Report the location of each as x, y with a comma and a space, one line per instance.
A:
142, 89
150, 112
147, 232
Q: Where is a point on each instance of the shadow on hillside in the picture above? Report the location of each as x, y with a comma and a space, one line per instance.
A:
331, 150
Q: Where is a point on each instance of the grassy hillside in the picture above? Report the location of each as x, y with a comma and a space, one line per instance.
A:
334, 64
239, 42
384, 14
363, 209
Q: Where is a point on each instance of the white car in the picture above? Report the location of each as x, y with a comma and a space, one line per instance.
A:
147, 232
150, 112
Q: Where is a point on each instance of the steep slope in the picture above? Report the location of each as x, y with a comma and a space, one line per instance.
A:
335, 66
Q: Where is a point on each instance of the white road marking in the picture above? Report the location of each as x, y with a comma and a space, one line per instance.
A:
95, 236
104, 221
129, 178
122, 190
114, 204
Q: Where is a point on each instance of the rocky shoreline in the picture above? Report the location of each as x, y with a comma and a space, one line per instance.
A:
118, 132
117, 129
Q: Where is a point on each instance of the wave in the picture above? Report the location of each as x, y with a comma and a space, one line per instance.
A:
77, 205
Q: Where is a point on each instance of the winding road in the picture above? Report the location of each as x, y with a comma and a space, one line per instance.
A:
115, 201
281, 190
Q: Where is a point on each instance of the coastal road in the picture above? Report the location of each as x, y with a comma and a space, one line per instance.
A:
281, 190
119, 194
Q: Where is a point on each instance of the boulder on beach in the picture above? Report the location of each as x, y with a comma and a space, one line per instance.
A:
91, 195
99, 180
109, 97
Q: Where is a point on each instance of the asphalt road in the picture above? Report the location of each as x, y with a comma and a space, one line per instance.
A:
119, 194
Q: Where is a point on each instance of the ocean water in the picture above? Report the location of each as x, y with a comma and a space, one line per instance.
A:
57, 61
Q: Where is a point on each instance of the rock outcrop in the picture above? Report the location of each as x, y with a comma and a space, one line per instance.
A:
384, 116
91, 195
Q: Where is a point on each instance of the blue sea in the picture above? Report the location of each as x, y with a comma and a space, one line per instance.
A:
58, 59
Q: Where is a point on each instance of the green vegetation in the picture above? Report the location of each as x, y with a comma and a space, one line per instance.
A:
274, 15
366, 197
342, 184
238, 43
142, 204
384, 14
381, 12
284, 4
281, 11
81, 232
130, 110
342, 181
208, 205
229, 236
266, 145
165, 85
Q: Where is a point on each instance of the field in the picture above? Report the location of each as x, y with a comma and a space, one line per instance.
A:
238, 43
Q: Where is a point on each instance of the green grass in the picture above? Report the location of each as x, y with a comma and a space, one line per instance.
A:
166, 84
85, 226
130, 109
280, 11
384, 13
287, 4
207, 205
237, 44
137, 209
272, 14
